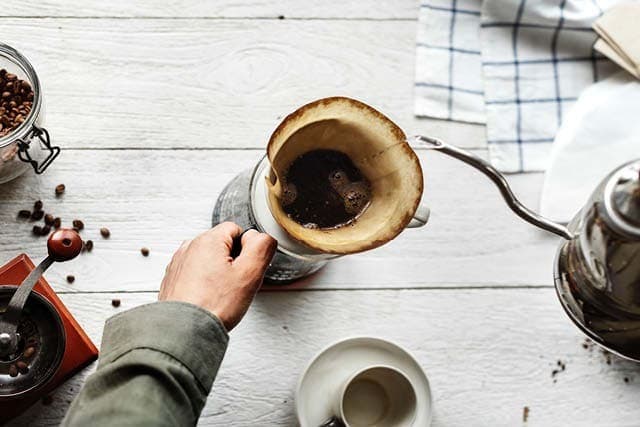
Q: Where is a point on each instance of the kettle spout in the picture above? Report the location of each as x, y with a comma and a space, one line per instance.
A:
499, 180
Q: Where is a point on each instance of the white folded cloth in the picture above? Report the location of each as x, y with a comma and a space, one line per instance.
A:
516, 65
600, 133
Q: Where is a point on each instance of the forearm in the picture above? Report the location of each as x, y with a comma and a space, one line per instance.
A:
157, 366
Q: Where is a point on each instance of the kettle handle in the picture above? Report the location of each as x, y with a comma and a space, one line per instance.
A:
498, 179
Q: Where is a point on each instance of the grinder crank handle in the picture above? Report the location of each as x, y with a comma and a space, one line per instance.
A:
498, 179
63, 245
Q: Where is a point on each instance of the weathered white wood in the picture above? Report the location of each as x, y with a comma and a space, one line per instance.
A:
487, 354
214, 83
340, 9
158, 199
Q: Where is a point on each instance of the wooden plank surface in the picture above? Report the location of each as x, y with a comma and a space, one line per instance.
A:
333, 9
214, 83
157, 199
487, 353
159, 104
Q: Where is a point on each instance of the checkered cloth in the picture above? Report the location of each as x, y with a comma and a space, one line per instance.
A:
515, 65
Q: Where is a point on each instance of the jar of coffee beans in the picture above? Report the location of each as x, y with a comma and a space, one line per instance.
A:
24, 143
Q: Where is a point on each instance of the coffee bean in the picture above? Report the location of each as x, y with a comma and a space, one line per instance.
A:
16, 102
104, 232
71, 278
37, 215
115, 302
88, 245
60, 189
57, 223
28, 352
37, 206
78, 225
24, 214
46, 230
23, 368
13, 371
37, 230
48, 219
144, 251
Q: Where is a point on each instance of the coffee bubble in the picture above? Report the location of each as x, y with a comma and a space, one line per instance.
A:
355, 196
289, 194
338, 179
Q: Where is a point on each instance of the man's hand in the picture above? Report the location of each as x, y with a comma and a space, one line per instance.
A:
203, 273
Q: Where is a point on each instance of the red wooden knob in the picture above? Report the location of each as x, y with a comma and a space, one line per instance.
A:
64, 244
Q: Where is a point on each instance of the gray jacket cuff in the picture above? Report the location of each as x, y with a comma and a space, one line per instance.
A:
189, 334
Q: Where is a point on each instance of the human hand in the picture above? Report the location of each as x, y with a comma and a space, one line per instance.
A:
202, 272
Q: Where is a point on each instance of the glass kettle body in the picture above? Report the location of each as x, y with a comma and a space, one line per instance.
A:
597, 272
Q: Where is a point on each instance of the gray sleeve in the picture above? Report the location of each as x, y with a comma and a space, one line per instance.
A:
156, 368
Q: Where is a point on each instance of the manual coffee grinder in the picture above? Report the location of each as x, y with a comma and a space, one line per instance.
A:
41, 344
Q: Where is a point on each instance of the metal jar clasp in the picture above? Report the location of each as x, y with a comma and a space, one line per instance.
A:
23, 149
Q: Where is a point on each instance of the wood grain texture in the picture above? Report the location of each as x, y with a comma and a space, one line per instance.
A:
157, 199
336, 9
487, 354
214, 83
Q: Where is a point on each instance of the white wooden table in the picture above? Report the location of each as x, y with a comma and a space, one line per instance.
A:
159, 105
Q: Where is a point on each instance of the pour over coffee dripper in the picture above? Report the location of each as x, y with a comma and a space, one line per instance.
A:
376, 146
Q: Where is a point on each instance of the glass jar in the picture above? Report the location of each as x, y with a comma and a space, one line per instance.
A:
27, 146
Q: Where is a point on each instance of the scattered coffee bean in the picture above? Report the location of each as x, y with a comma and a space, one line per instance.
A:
57, 223
37, 206
525, 414
88, 245
104, 232
28, 352
16, 102
60, 189
46, 230
626, 379
78, 225
23, 368
71, 278
115, 302
37, 230
47, 400
13, 371
24, 214
144, 251
37, 215
48, 219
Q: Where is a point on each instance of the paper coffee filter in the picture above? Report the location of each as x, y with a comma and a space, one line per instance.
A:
377, 147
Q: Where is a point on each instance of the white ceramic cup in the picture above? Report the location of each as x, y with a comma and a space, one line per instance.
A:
379, 396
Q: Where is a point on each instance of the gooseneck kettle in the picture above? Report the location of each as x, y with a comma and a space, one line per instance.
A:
597, 267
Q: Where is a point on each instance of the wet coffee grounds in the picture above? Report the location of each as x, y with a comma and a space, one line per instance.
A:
324, 189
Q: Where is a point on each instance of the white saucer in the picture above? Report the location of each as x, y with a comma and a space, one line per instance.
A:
329, 370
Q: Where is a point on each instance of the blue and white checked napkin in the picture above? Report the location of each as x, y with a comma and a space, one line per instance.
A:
517, 66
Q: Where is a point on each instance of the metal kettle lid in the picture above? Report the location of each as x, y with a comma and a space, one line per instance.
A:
622, 199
